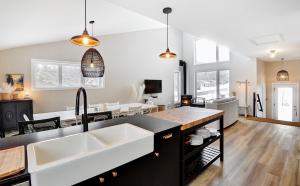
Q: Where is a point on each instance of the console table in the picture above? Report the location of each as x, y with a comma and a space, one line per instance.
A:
12, 111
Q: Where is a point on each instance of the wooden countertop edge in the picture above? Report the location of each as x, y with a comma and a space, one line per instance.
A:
199, 122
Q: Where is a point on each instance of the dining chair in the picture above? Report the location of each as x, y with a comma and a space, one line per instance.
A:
99, 116
38, 125
112, 104
147, 110
25, 117
97, 107
134, 110
116, 112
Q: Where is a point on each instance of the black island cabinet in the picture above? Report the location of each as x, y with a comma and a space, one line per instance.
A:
159, 168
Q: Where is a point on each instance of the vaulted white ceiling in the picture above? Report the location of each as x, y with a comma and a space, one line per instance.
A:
235, 23
232, 22
26, 22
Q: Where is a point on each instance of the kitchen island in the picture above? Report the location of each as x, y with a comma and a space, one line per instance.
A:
195, 159
162, 167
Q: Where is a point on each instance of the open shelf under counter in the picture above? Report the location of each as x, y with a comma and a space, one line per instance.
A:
190, 151
200, 162
191, 119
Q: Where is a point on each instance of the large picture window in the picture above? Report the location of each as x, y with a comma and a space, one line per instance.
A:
177, 87
47, 74
212, 84
206, 85
207, 51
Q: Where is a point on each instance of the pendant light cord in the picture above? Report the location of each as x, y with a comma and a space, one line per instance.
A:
167, 30
85, 14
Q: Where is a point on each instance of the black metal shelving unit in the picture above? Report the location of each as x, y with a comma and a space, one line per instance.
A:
195, 159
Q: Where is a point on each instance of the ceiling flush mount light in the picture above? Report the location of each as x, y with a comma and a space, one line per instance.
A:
92, 64
282, 75
168, 54
272, 53
85, 39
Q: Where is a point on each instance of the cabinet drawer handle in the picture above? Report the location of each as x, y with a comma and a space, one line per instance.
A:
101, 179
156, 154
114, 173
168, 136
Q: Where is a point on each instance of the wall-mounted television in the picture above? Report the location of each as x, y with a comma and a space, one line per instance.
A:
153, 86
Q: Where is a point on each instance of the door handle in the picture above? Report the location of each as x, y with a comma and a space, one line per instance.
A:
168, 136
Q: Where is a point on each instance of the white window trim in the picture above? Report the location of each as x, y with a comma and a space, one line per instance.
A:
217, 80
217, 56
47, 61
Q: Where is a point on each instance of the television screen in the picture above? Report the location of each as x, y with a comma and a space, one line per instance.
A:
153, 86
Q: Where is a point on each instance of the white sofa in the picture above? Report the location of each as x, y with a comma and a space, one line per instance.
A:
230, 108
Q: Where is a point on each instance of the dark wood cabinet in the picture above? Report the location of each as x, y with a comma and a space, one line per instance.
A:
11, 112
166, 160
159, 168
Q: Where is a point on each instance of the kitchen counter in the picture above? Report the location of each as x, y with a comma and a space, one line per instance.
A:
149, 123
188, 117
191, 119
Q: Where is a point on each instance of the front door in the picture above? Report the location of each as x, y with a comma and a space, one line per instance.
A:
285, 102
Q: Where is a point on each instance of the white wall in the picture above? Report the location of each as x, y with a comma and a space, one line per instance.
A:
129, 59
241, 68
261, 86
271, 69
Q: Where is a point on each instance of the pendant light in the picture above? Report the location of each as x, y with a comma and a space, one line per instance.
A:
92, 64
282, 75
85, 39
168, 54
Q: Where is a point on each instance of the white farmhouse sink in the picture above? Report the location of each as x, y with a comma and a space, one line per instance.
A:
72, 159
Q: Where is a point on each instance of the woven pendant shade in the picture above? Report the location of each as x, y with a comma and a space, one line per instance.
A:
92, 64
282, 75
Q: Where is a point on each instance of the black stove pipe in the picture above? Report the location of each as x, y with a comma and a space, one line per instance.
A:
183, 64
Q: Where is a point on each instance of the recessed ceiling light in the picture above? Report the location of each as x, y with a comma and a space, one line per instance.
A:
273, 53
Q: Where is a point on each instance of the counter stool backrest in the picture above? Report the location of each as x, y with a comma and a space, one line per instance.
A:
38, 125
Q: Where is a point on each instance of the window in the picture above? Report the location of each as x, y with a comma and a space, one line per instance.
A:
206, 85
207, 51
224, 53
70, 75
213, 84
177, 87
48, 74
224, 83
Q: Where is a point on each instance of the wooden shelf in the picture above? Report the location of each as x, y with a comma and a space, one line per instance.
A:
190, 150
195, 159
204, 159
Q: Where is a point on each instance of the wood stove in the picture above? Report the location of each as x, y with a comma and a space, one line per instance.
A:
186, 100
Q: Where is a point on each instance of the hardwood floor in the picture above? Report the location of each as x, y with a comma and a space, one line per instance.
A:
256, 154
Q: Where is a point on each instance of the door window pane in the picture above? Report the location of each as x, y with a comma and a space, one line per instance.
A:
224, 83
46, 75
206, 51
71, 75
285, 103
206, 86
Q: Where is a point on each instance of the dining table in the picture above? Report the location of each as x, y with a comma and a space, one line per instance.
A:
69, 115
